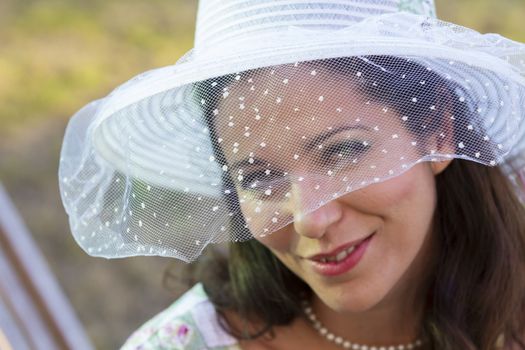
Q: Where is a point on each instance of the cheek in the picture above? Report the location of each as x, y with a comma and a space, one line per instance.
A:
280, 241
405, 204
413, 199
410, 202
281, 244
407, 198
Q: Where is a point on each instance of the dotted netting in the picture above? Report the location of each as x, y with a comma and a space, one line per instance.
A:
245, 154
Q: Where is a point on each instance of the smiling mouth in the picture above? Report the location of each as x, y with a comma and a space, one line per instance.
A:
342, 260
339, 254
338, 257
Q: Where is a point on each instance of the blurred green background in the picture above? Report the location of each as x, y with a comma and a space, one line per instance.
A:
56, 56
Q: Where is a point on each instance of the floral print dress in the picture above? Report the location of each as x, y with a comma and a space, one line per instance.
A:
190, 323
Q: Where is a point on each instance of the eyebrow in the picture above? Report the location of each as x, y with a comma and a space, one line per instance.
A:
246, 162
308, 146
320, 138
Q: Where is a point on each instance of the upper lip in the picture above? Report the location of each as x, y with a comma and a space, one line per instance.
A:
338, 249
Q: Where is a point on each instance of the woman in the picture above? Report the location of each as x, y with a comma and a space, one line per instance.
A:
370, 190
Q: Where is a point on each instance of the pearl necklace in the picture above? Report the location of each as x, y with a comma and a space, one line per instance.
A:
347, 344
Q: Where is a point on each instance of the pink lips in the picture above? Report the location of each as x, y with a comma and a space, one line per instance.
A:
339, 267
336, 251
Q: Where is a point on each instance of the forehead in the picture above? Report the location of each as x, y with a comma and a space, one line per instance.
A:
286, 87
291, 94
283, 108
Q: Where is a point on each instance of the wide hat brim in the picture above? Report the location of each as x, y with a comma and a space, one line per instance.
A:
490, 67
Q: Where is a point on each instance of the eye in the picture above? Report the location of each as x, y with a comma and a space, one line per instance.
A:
259, 180
344, 150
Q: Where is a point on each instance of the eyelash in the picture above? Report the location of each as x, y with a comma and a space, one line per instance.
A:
254, 178
253, 182
355, 147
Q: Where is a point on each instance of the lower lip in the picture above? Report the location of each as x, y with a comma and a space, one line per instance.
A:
340, 267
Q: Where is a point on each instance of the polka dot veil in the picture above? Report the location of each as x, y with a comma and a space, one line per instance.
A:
243, 153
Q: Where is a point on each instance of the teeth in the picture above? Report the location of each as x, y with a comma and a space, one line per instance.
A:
339, 257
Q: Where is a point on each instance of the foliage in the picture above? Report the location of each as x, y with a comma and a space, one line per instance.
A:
58, 55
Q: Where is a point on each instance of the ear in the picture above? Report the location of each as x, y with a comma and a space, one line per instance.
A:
440, 166
442, 142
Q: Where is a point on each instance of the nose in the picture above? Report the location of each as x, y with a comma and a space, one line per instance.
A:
312, 224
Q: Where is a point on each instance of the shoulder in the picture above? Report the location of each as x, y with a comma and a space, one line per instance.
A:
189, 323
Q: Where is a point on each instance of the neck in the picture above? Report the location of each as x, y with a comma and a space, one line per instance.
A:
396, 320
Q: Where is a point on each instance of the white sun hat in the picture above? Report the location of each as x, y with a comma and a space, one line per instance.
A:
149, 169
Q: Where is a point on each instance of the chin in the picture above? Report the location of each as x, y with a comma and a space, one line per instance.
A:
349, 299
354, 305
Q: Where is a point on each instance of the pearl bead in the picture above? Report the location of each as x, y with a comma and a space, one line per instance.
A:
345, 343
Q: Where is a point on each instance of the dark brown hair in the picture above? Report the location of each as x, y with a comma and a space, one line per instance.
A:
478, 283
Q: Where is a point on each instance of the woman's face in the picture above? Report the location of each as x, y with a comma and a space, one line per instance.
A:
287, 146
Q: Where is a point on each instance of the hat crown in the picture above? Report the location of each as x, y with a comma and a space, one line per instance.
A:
219, 21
